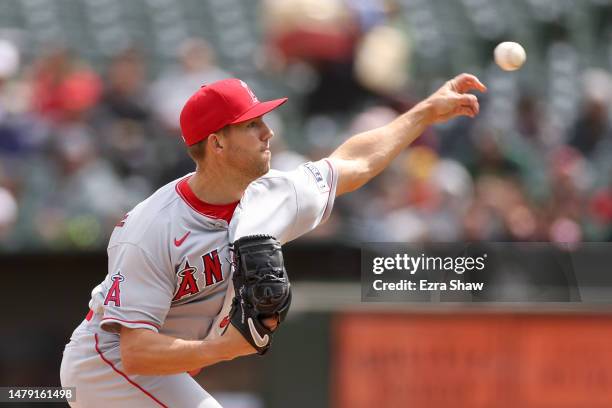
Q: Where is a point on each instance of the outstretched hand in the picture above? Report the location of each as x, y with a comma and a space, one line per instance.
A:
452, 99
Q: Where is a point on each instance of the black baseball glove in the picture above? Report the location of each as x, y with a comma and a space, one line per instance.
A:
261, 286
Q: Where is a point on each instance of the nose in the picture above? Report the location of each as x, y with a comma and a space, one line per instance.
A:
266, 133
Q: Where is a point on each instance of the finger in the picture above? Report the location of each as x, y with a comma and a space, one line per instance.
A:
467, 100
470, 82
466, 82
457, 111
473, 104
270, 322
195, 372
465, 111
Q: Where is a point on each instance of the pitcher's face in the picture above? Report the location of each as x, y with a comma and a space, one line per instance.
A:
248, 147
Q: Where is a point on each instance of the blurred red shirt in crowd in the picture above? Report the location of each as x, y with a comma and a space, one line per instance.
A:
63, 88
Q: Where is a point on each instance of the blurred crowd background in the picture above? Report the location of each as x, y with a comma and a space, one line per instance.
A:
91, 90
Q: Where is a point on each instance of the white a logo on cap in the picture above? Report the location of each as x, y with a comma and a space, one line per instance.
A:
253, 97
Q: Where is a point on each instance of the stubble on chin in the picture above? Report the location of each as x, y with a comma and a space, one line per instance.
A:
264, 167
254, 167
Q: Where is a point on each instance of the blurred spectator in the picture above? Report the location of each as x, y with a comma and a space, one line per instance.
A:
283, 158
9, 59
438, 192
196, 66
126, 86
489, 155
127, 134
370, 13
64, 87
529, 117
8, 212
10, 137
314, 31
382, 60
322, 35
600, 212
593, 125
19, 131
79, 197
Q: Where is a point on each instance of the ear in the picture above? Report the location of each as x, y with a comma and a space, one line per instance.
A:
215, 142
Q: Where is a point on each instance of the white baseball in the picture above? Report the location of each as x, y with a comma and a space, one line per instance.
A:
509, 55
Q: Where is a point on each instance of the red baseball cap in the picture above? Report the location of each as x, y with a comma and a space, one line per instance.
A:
219, 104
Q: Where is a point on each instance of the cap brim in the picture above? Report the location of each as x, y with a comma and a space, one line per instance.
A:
259, 110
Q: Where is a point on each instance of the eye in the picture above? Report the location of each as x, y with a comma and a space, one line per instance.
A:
252, 124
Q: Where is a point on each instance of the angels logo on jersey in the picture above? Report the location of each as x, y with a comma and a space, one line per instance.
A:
188, 284
114, 293
189, 275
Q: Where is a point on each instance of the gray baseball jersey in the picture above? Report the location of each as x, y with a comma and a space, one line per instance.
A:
169, 271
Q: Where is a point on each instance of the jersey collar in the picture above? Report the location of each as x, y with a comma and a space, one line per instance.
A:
222, 212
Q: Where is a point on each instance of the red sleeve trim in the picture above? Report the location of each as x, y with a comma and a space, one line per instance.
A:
131, 321
121, 373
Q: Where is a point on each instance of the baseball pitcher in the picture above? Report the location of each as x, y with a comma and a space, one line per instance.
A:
195, 271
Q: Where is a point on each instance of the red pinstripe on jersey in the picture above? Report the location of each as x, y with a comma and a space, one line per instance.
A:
121, 373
